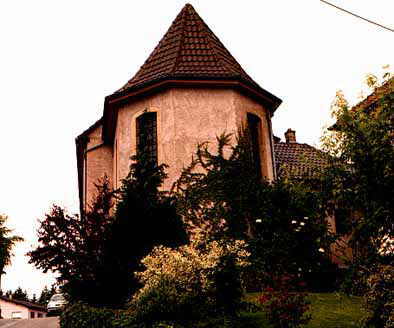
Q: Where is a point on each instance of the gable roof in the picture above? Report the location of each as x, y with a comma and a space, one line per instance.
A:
25, 304
298, 161
189, 54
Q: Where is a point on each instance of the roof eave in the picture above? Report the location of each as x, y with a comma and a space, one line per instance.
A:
109, 118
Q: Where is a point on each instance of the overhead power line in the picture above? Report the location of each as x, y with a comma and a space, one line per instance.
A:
355, 15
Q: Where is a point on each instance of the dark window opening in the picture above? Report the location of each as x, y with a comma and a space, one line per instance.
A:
341, 217
32, 315
254, 134
147, 136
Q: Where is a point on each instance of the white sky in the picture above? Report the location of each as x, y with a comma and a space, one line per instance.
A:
59, 59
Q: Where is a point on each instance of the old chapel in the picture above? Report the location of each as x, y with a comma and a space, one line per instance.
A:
189, 90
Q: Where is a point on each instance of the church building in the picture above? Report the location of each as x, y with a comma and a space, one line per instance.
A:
188, 91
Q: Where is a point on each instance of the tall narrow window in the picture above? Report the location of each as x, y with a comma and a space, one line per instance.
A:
254, 123
147, 135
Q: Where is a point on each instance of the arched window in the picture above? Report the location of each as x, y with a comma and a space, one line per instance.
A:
147, 135
254, 128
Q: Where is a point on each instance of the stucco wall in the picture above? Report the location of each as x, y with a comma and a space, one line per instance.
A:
186, 117
97, 163
244, 105
7, 308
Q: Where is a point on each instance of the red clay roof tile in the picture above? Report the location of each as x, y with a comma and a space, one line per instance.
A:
298, 161
189, 49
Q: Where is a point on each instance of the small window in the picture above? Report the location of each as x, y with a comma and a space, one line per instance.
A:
147, 135
254, 123
39, 315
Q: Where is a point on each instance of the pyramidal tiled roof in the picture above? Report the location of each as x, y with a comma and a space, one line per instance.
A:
191, 51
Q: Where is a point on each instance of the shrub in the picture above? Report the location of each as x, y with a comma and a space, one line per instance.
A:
80, 315
355, 280
191, 282
379, 299
286, 308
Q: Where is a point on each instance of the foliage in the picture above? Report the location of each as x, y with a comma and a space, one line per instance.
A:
34, 299
379, 299
46, 294
286, 307
74, 246
96, 254
191, 282
282, 221
360, 177
6, 244
354, 281
20, 295
144, 217
222, 186
84, 316
291, 233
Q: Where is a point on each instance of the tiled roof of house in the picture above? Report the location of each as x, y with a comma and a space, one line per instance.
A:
384, 89
24, 303
190, 51
298, 161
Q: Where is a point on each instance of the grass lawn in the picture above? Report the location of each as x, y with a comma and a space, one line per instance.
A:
329, 310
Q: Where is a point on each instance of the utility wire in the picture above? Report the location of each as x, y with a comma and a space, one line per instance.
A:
365, 19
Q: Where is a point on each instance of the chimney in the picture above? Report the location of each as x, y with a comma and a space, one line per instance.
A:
290, 136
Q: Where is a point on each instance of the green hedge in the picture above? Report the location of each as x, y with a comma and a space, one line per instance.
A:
83, 316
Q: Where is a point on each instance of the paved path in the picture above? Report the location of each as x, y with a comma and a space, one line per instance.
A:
32, 323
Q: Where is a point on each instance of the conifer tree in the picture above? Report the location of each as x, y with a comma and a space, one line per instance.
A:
145, 217
6, 244
34, 299
20, 295
96, 254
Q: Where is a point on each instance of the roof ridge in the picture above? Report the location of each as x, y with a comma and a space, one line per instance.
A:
184, 13
229, 54
205, 27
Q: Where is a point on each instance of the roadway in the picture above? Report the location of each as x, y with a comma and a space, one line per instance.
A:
52, 322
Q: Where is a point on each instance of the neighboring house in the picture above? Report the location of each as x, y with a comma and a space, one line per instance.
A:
300, 161
371, 102
188, 91
15, 309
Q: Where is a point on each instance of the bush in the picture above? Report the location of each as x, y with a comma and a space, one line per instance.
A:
286, 308
191, 282
80, 315
165, 302
354, 281
379, 299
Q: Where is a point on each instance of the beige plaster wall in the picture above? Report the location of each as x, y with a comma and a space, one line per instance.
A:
185, 117
97, 163
7, 308
244, 105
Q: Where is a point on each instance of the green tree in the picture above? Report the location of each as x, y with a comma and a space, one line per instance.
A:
6, 244
360, 177
34, 299
145, 217
44, 296
282, 221
74, 247
96, 254
20, 295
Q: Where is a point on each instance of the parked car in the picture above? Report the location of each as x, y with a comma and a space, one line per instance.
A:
56, 303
